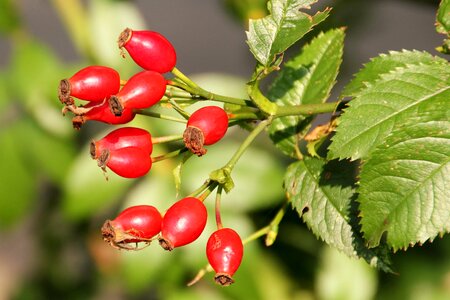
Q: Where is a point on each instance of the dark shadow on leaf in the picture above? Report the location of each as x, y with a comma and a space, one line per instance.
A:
379, 256
298, 129
343, 173
284, 83
339, 172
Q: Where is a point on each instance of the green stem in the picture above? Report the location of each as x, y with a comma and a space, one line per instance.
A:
172, 92
166, 100
256, 234
169, 155
159, 116
256, 131
211, 187
217, 208
179, 110
196, 90
200, 189
306, 109
166, 139
273, 232
244, 116
184, 78
262, 102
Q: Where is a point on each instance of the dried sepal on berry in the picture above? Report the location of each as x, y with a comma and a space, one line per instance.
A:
136, 224
206, 126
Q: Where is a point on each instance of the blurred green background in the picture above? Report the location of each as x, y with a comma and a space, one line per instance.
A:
54, 199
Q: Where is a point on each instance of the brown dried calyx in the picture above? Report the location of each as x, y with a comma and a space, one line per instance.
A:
120, 239
223, 279
115, 106
166, 244
77, 122
93, 150
124, 37
64, 92
194, 140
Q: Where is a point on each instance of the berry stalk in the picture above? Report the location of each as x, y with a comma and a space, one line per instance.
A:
149, 113
172, 154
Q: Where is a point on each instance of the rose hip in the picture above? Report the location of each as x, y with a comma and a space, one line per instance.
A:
142, 90
128, 162
133, 225
149, 49
183, 223
93, 83
206, 126
224, 250
121, 138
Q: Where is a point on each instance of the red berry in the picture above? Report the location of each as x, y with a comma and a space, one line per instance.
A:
102, 113
133, 225
205, 126
142, 90
183, 223
149, 49
128, 162
224, 250
121, 138
93, 83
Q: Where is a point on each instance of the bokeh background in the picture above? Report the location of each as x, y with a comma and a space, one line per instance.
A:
53, 198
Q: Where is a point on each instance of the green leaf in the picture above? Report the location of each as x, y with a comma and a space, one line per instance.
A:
323, 195
305, 79
386, 63
390, 101
443, 17
286, 24
443, 25
404, 183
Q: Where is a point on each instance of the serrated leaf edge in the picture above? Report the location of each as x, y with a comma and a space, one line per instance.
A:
411, 244
437, 60
381, 79
311, 17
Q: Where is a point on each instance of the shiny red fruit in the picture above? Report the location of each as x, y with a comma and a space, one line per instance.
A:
224, 250
142, 90
205, 126
101, 112
121, 138
133, 225
149, 49
128, 162
183, 223
93, 83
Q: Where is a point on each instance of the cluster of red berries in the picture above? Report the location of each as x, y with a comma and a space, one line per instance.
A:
101, 86
112, 103
182, 224
127, 151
